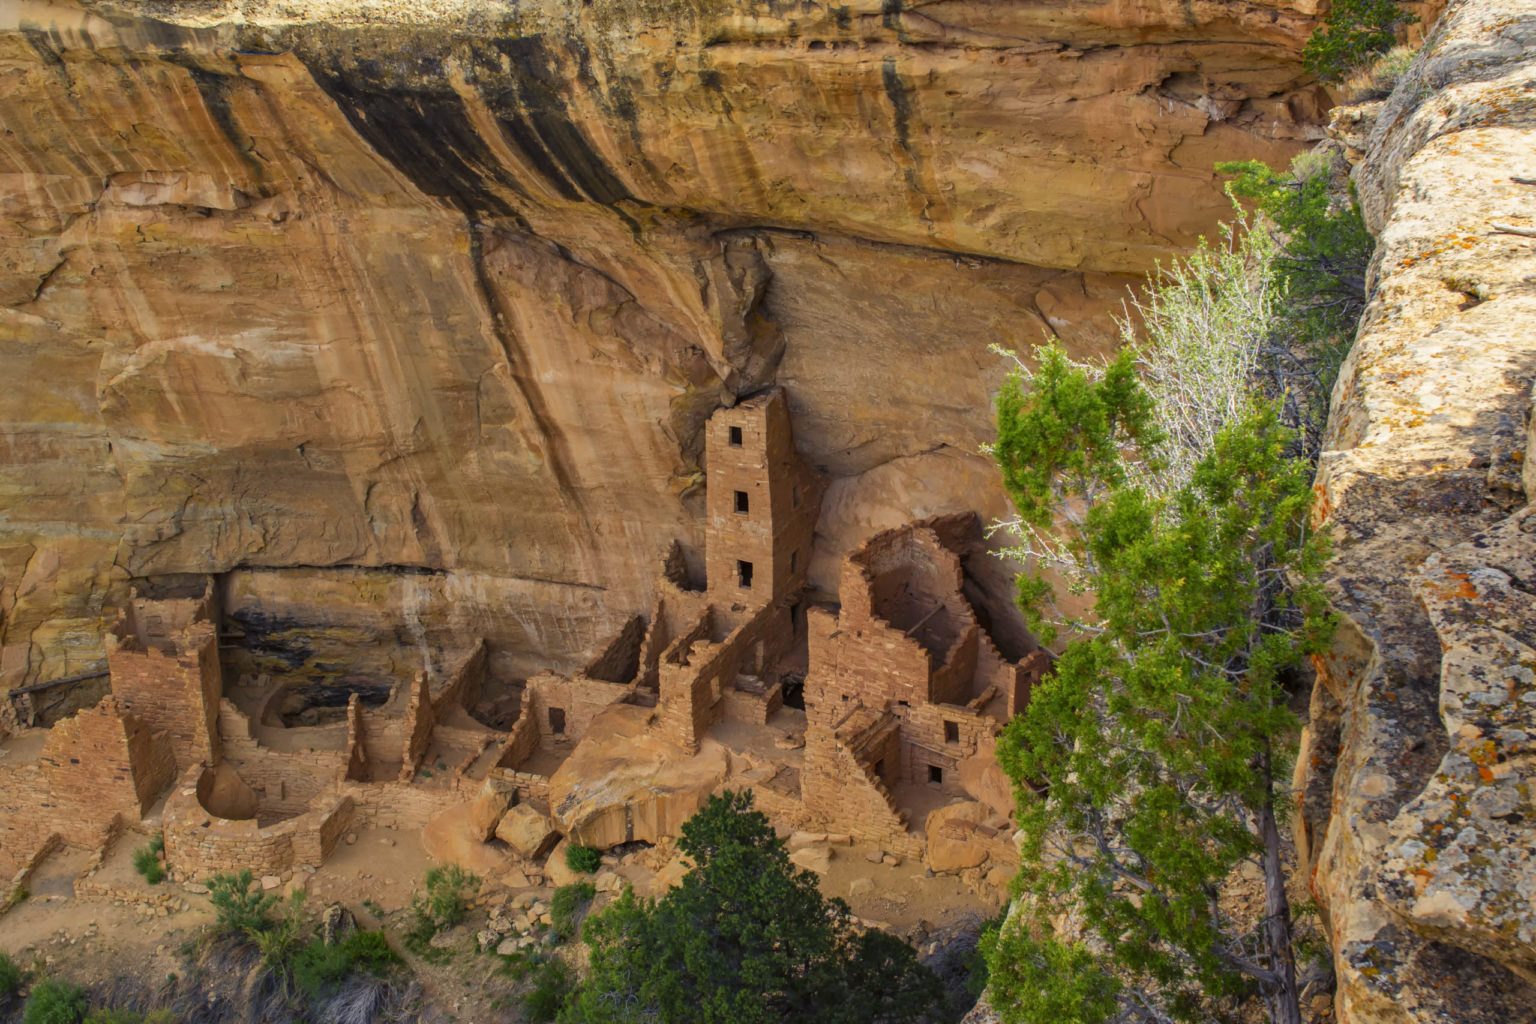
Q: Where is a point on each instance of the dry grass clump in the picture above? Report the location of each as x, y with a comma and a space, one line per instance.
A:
1377, 79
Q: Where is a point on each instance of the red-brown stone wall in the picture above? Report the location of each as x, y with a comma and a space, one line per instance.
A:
177, 692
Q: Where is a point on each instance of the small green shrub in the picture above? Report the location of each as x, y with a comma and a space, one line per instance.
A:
319, 969
238, 907
583, 858
283, 936
55, 1002
552, 984
146, 860
441, 906
110, 1016
1353, 33
10, 977
566, 905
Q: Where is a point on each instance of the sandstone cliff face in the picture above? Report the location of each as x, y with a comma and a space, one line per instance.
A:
1418, 763
443, 292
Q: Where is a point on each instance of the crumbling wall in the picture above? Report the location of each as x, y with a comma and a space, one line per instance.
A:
199, 843
848, 795
696, 673
860, 662
417, 729
462, 686
552, 700
96, 767
619, 661
26, 823
103, 762
522, 740
175, 688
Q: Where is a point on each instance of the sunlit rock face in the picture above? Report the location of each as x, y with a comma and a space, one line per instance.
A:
1418, 765
447, 289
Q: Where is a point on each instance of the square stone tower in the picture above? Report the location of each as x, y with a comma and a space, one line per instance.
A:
761, 505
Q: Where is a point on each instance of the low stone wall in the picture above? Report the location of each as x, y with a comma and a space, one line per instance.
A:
199, 843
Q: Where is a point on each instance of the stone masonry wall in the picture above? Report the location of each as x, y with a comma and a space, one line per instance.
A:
579, 699
177, 691
199, 843
750, 457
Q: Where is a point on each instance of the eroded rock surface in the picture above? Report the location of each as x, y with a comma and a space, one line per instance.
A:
627, 781
338, 290
1416, 749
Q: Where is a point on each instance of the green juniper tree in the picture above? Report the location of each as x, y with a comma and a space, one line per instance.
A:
745, 939
1150, 765
1353, 33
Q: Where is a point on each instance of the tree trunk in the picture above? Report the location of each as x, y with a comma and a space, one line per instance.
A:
1284, 1000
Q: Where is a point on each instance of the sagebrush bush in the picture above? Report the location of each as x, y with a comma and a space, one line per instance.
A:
552, 985
238, 907
583, 858
442, 905
10, 977
146, 860
55, 1002
566, 905
319, 970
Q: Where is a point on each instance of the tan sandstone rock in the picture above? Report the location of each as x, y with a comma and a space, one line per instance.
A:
954, 839
407, 316
625, 781
490, 803
528, 831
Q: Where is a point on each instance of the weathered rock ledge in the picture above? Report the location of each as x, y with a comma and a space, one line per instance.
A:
1417, 817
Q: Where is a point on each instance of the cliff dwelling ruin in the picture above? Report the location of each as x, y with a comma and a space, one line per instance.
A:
872, 721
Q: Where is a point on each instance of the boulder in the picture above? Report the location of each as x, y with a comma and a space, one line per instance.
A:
493, 801
813, 858
955, 839
626, 781
556, 870
984, 780
528, 831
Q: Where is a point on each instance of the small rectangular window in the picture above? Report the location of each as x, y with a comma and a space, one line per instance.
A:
735, 437
794, 495
951, 732
936, 775
557, 721
744, 574
905, 704
741, 502
794, 561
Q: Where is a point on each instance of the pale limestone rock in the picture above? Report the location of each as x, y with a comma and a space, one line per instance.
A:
984, 780
528, 831
556, 870
1428, 441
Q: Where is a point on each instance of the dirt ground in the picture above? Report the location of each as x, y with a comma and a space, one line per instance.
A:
145, 933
